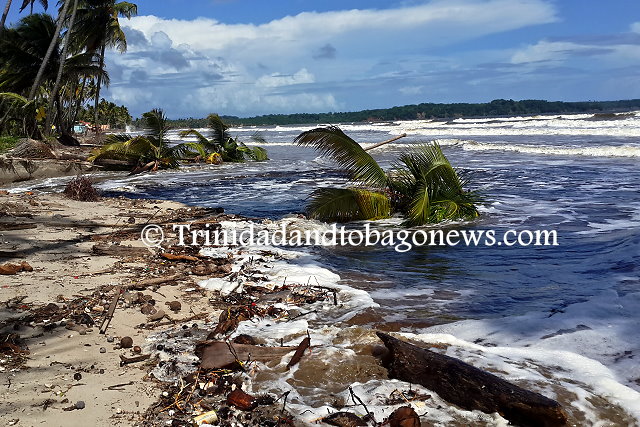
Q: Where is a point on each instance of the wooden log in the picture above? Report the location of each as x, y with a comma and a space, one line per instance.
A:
380, 144
120, 251
469, 387
143, 284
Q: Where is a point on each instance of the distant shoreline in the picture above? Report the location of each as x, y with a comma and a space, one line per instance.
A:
426, 111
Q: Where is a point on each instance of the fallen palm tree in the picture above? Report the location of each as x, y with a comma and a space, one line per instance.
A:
423, 186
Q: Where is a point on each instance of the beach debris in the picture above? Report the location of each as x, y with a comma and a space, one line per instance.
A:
77, 406
81, 188
156, 281
158, 315
404, 416
241, 400
126, 342
225, 355
172, 257
174, 306
210, 417
302, 347
112, 308
9, 269
120, 251
344, 419
129, 360
469, 387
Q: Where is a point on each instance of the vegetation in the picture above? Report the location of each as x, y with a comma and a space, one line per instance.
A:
223, 146
498, 107
151, 151
116, 116
51, 68
81, 188
423, 186
7, 143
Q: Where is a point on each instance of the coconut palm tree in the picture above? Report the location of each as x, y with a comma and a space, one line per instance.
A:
22, 51
4, 15
150, 151
63, 58
52, 45
222, 143
25, 3
98, 28
423, 186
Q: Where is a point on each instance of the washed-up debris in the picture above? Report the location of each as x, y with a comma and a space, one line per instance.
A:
225, 355
404, 416
210, 417
241, 400
172, 257
78, 405
13, 349
304, 345
9, 269
174, 306
112, 309
344, 419
129, 360
126, 342
469, 387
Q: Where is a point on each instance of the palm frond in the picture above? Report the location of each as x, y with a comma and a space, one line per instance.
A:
219, 127
188, 149
348, 204
333, 142
192, 132
155, 124
123, 145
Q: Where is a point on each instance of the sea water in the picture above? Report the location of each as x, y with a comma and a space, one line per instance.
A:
561, 319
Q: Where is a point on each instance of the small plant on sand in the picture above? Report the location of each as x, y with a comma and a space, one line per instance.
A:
150, 151
227, 148
81, 188
423, 186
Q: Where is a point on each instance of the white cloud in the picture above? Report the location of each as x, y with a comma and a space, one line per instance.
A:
544, 51
635, 27
271, 67
278, 80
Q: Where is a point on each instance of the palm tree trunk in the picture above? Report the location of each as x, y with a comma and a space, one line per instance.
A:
4, 15
63, 58
52, 45
99, 84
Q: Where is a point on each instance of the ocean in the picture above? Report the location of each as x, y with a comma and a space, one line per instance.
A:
561, 319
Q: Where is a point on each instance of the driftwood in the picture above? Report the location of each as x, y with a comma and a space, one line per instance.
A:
380, 144
172, 257
302, 347
112, 309
469, 387
118, 251
225, 355
143, 284
4, 226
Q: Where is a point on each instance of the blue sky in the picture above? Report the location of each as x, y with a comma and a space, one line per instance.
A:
248, 57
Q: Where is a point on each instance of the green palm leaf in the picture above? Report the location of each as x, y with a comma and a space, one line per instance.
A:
333, 142
348, 204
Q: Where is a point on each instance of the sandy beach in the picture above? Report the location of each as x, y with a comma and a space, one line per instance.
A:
66, 364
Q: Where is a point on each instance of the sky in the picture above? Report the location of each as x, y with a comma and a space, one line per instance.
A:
254, 57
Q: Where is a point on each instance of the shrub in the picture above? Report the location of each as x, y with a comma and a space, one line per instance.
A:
7, 143
81, 188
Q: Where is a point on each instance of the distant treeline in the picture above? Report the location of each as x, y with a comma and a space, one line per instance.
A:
498, 107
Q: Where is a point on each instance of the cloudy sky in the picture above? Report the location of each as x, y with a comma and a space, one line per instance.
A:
250, 57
